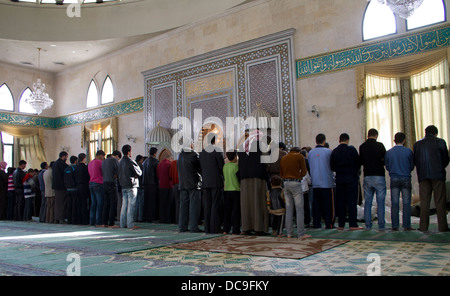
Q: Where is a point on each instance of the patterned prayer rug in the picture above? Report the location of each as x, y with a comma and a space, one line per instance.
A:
278, 247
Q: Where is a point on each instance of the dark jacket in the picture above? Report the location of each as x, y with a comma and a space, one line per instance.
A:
189, 170
431, 158
58, 174
250, 165
211, 164
372, 155
129, 173
18, 176
149, 176
345, 162
82, 175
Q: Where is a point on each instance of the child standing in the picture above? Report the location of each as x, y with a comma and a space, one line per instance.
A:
276, 205
232, 195
28, 192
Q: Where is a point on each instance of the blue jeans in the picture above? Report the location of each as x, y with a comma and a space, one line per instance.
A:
190, 207
402, 185
374, 185
95, 217
128, 210
294, 200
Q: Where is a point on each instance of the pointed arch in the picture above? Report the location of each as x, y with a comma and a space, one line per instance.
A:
378, 21
107, 91
24, 107
6, 98
92, 95
429, 13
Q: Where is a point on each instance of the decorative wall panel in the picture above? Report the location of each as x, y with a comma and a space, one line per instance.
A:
229, 82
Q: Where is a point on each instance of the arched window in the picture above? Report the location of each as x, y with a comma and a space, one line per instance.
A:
92, 95
378, 21
6, 98
430, 12
24, 107
107, 91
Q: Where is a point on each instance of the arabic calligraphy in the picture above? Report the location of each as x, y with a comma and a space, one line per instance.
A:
375, 52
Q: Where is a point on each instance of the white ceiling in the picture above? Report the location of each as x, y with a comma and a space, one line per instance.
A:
100, 29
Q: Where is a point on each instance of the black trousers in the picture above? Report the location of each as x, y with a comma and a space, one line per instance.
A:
323, 207
232, 211
176, 201
74, 207
84, 195
346, 202
151, 203
212, 203
109, 203
19, 205
165, 205
11, 203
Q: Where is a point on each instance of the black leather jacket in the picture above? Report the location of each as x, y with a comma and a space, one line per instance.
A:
189, 171
431, 158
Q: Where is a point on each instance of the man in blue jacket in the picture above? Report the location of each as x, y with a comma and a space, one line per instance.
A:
322, 179
399, 162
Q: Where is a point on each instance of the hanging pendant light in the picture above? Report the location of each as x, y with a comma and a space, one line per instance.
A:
403, 8
39, 100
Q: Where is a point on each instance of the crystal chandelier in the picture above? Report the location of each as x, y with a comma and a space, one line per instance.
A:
403, 8
39, 99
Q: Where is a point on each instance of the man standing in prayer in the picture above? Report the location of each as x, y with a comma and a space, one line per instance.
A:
188, 166
96, 188
43, 209
165, 188
292, 171
345, 162
372, 155
58, 185
323, 182
400, 163
82, 179
150, 182
211, 163
3, 190
254, 184
110, 172
129, 173
18, 176
431, 158
49, 194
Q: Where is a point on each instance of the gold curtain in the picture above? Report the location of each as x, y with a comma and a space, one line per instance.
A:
398, 68
28, 144
106, 130
430, 100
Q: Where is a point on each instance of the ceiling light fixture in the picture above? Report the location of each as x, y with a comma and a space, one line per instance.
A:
403, 8
39, 99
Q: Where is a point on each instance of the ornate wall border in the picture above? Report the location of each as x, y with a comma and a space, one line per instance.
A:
237, 56
374, 52
121, 108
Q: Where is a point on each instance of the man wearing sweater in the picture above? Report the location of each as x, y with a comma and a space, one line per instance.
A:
372, 155
399, 163
292, 170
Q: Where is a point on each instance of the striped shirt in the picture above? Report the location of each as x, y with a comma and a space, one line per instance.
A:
10, 183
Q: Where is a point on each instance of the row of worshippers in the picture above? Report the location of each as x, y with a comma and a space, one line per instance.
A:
76, 193
335, 178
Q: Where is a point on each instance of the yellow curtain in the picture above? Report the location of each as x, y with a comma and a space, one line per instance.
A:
100, 135
430, 100
398, 68
29, 144
383, 107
